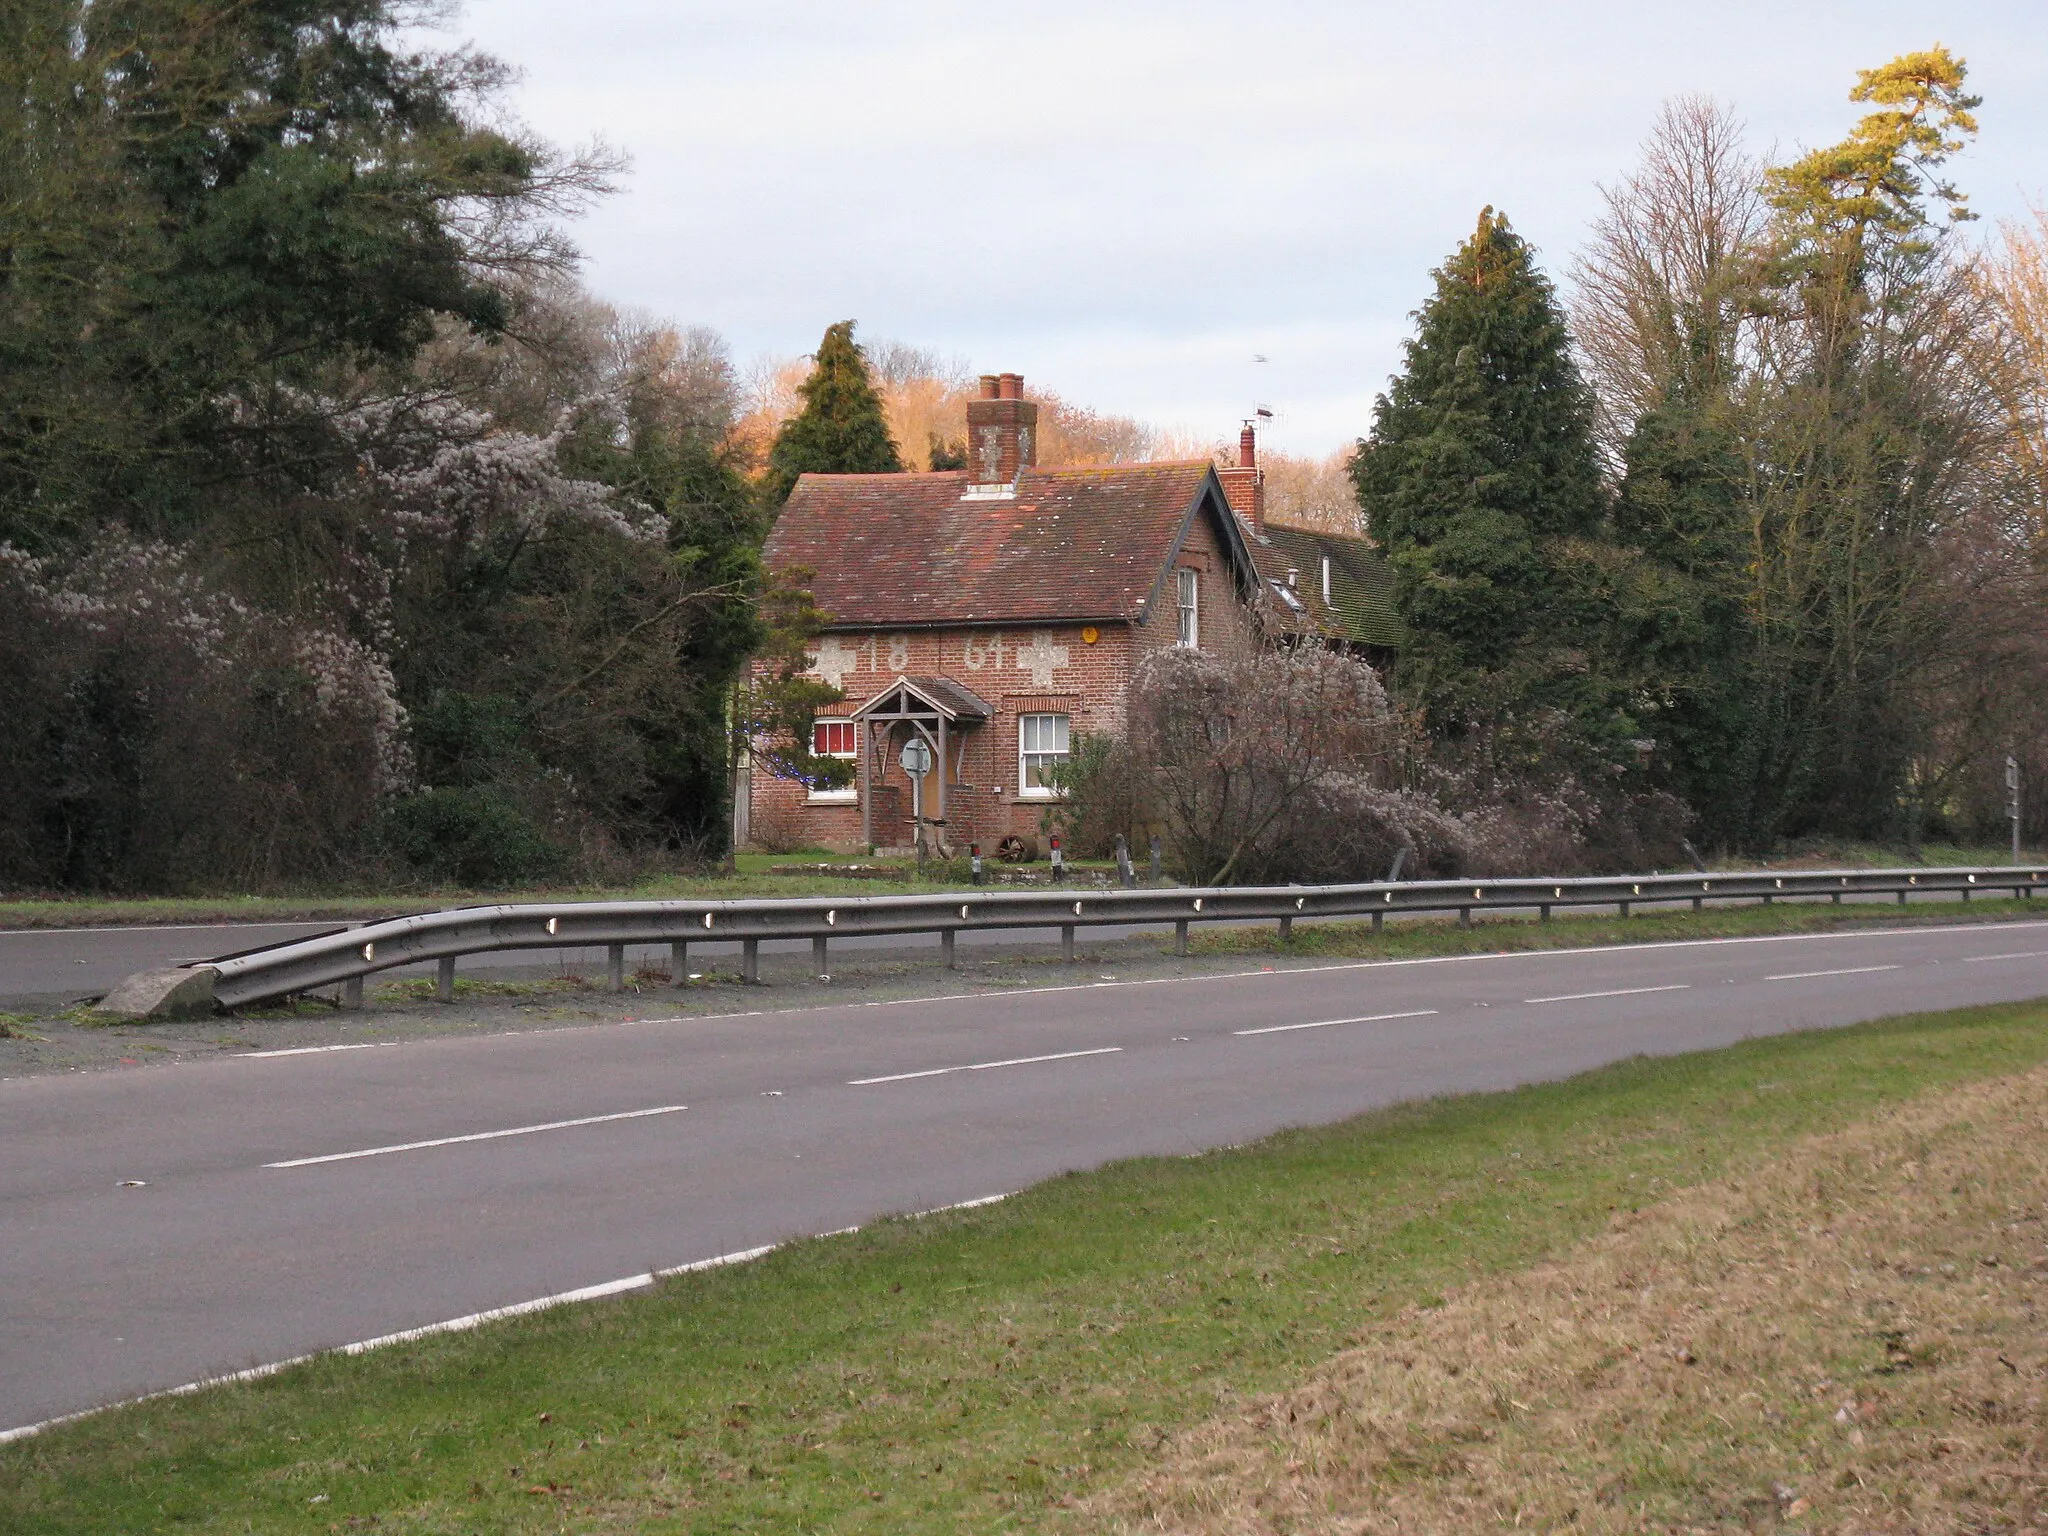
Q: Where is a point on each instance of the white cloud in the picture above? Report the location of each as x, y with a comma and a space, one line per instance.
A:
1128, 200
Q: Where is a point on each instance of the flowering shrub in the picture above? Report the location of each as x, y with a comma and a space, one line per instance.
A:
161, 733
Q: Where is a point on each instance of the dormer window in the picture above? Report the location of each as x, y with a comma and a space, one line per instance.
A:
1190, 634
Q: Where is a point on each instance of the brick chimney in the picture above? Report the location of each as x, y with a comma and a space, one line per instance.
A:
1244, 483
1002, 430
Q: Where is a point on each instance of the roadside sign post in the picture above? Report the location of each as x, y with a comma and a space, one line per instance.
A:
2012, 802
917, 762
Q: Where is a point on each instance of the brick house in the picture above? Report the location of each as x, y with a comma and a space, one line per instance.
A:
997, 612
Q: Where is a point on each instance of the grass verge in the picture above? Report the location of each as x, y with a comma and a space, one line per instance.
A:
1845, 1339
983, 1370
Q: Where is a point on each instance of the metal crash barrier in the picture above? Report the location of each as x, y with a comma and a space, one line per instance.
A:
344, 957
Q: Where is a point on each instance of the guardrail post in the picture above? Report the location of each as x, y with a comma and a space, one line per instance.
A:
946, 947
1464, 917
1180, 937
1286, 930
444, 983
750, 961
1379, 921
822, 970
352, 994
1838, 897
1624, 909
1699, 903
1067, 942
615, 967
679, 962
1966, 893
1902, 895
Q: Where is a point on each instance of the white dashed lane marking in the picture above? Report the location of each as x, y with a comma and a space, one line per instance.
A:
1575, 997
449, 1141
1854, 970
983, 1066
1370, 1018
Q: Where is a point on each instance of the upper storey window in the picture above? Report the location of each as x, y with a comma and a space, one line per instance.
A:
1190, 608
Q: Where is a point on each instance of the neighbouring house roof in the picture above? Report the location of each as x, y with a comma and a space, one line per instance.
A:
940, 695
921, 550
1361, 604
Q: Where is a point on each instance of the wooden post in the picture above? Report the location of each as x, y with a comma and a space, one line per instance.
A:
946, 947
1286, 930
1067, 942
940, 765
1379, 920
1543, 912
615, 967
679, 962
1180, 937
444, 983
818, 957
1699, 903
864, 784
1902, 895
1624, 908
352, 994
750, 960
1464, 917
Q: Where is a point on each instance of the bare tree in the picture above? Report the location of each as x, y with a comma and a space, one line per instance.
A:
1662, 291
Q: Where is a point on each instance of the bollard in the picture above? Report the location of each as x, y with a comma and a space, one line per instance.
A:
1124, 872
679, 962
1059, 863
974, 861
444, 982
750, 961
946, 947
1180, 937
1155, 858
615, 967
818, 957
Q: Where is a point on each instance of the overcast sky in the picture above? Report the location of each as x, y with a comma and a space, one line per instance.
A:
1129, 202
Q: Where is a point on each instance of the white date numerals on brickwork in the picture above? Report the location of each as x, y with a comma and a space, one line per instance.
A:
985, 653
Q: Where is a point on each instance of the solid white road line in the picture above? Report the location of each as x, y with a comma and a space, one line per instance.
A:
449, 1141
463, 1324
2025, 954
1853, 970
983, 1066
310, 1050
1370, 1018
1573, 997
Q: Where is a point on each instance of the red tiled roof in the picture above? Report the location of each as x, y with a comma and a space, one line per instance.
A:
904, 550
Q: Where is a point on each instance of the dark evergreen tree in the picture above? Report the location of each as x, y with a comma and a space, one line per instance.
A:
841, 430
1479, 475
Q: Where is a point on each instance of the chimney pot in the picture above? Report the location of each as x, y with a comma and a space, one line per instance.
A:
1247, 448
1010, 386
990, 386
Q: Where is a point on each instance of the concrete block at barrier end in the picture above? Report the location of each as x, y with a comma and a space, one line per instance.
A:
178, 993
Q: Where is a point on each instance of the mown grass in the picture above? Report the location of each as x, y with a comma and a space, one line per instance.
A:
755, 877
1341, 938
978, 1370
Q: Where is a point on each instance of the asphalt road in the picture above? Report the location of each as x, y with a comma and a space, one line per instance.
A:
290, 1202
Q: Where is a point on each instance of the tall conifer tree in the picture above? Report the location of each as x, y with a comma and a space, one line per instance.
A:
1479, 472
842, 429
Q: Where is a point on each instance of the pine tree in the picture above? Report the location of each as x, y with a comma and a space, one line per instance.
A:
1479, 472
841, 430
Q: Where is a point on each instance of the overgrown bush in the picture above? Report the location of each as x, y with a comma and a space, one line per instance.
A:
472, 836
